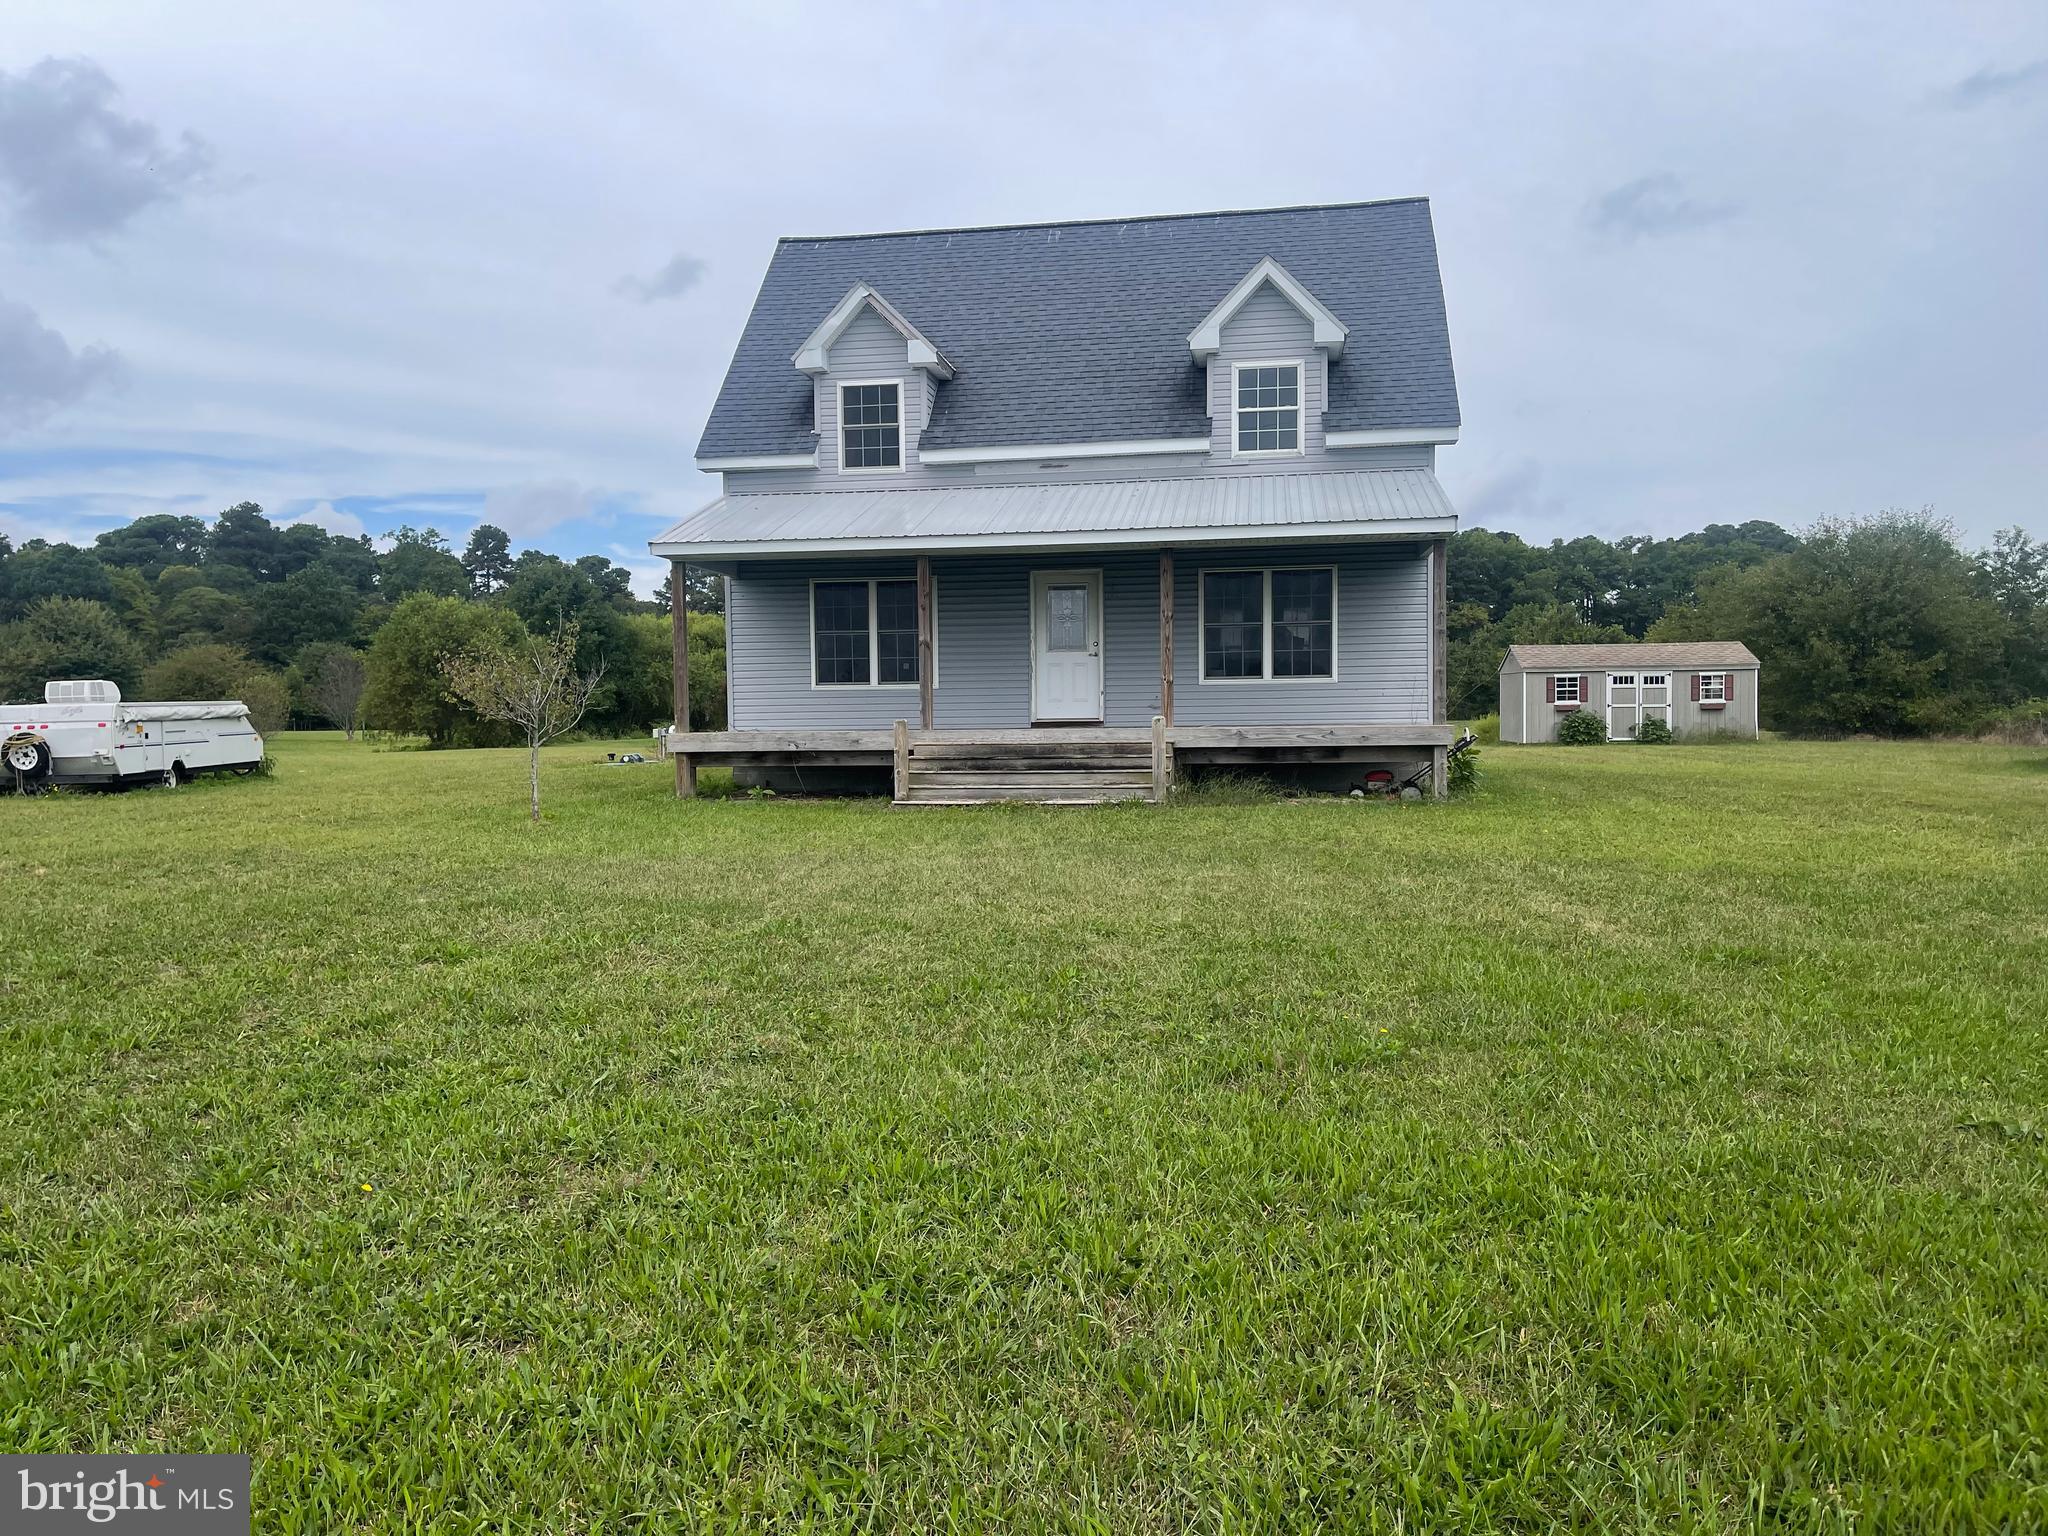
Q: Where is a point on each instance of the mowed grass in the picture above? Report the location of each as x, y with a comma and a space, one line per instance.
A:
1653, 1141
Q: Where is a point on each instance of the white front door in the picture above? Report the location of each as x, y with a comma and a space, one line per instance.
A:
1066, 645
1653, 693
1621, 706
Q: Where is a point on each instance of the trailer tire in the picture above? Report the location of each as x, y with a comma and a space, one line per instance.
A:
28, 758
176, 775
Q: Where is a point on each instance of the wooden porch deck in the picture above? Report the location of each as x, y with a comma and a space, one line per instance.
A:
1074, 760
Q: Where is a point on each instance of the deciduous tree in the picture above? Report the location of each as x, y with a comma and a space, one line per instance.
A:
534, 686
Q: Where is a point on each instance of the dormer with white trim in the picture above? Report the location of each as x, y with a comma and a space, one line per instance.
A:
1267, 349
875, 377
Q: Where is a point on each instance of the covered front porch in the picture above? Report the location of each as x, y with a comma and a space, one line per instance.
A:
886, 639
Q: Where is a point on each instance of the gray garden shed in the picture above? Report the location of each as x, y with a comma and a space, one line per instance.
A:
1697, 687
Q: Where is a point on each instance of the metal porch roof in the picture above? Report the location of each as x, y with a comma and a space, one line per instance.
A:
1186, 509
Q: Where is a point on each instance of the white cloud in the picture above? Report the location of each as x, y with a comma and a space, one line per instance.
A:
342, 524
527, 511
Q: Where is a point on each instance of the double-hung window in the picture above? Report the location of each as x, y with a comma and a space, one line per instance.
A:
863, 633
871, 426
1274, 623
1267, 411
1568, 688
1713, 687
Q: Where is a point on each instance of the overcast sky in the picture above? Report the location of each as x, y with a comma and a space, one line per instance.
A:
435, 263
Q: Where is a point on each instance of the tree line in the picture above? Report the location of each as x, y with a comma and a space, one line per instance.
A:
313, 629
1884, 624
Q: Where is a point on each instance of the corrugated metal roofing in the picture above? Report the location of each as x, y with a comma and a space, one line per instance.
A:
1077, 333
1680, 653
1298, 502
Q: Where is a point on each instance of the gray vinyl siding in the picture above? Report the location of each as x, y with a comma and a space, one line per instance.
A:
1266, 329
868, 349
982, 625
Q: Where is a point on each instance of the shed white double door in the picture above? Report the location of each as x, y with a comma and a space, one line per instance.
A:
1633, 697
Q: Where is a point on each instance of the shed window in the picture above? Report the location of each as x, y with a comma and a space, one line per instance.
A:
1269, 624
1713, 688
1568, 688
870, 426
864, 633
1268, 408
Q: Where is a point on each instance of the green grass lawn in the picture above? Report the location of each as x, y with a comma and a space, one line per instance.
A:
1653, 1141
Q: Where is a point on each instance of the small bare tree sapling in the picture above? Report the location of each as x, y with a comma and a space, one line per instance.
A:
534, 685
338, 689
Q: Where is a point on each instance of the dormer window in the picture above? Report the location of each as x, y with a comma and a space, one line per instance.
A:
1268, 408
871, 426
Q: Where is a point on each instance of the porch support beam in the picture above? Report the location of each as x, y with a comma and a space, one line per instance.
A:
924, 641
1439, 618
679, 661
1166, 635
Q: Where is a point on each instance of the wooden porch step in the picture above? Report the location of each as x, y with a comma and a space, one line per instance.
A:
1062, 770
1100, 778
1031, 794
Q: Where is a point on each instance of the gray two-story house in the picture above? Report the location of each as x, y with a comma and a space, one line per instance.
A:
1058, 510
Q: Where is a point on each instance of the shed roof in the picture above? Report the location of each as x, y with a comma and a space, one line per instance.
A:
1078, 332
1186, 509
1634, 653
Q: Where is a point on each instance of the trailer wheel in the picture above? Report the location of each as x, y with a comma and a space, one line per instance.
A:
28, 757
176, 775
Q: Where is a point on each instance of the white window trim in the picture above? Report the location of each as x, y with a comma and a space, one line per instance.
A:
1300, 367
1265, 676
839, 388
1557, 691
1720, 681
874, 633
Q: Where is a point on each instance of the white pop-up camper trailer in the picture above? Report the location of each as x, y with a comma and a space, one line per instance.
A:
82, 733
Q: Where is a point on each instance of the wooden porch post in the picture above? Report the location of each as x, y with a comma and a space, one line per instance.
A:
679, 660
924, 641
1166, 635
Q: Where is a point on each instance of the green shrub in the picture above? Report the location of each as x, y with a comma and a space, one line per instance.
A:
1581, 728
1487, 729
2023, 725
1654, 731
1464, 773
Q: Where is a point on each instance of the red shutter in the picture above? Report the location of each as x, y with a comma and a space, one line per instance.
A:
1695, 687
1550, 690
1728, 686
1585, 690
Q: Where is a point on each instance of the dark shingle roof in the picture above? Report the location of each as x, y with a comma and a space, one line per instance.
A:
1078, 332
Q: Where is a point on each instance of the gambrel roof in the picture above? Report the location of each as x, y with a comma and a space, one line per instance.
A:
1081, 332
